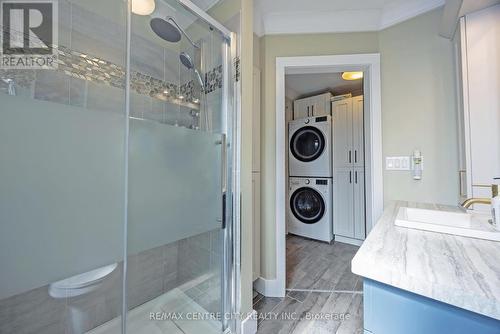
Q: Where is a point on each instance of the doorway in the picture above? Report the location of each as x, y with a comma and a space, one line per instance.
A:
369, 64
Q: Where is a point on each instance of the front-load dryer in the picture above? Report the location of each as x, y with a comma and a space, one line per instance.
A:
310, 147
310, 208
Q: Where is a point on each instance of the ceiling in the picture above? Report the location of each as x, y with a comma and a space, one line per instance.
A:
317, 16
182, 16
302, 85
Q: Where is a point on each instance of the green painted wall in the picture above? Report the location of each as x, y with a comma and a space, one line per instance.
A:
418, 109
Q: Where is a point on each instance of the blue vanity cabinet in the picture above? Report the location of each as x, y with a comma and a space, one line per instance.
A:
389, 310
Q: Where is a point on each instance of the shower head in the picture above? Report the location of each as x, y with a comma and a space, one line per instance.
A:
188, 63
186, 60
165, 30
169, 30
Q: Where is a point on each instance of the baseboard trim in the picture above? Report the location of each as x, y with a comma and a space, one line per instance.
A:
350, 241
249, 324
269, 287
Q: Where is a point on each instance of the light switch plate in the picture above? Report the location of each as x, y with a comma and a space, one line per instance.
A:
397, 163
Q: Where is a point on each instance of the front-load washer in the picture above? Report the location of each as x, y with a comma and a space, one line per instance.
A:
310, 208
310, 147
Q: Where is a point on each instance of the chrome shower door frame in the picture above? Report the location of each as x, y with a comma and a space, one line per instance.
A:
230, 187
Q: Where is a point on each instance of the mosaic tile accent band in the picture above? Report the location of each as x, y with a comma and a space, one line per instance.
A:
237, 71
95, 69
213, 79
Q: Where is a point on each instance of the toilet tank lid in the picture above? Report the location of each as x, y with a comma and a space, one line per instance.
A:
85, 279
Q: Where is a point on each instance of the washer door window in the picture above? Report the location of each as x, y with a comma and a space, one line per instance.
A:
307, 144
307, 205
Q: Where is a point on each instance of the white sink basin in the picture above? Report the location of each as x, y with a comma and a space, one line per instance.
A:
471, 225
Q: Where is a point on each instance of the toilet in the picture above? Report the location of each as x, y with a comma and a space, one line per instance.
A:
79, 285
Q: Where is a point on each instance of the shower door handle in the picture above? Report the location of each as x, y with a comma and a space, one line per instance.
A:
223, 225
223, 143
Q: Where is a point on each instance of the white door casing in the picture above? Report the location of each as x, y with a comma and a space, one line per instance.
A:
370, 65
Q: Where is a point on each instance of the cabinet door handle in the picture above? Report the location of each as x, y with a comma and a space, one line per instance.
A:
355, 155
307, 111
349, 156
312, 112
356, 177
350, 177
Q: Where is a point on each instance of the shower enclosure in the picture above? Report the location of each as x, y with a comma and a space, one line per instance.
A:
118, 169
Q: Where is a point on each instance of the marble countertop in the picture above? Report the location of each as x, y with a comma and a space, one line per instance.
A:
460, 271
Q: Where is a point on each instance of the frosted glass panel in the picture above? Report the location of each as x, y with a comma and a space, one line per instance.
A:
174, 184
61, 193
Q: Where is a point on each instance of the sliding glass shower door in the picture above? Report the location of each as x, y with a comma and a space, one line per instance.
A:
178, 171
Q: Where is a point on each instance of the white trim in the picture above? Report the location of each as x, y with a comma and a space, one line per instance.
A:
249, 324
328, 20
405, 10
350, 241
309, 22
268, 287
370, 64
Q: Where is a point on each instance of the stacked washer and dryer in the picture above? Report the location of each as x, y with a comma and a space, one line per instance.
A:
311, 177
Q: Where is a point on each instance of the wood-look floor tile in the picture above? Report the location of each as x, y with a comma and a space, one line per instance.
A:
337, 304
310, 307
266, 305
354, 324
298, 295
347, 281
278, 321
316, 265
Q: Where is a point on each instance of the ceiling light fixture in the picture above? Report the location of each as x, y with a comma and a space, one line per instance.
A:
352, 75
143, 7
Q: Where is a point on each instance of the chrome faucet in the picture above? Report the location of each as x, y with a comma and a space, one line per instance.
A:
471, 201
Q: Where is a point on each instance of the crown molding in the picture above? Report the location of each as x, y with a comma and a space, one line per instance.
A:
304, 22
307, 22
394, 14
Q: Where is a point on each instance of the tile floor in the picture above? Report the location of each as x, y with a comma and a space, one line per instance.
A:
182, 301
323, 295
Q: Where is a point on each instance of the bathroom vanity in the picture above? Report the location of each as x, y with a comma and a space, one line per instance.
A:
418, 281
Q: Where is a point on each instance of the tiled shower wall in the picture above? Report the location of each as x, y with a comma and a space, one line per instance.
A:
98, 84
91, 71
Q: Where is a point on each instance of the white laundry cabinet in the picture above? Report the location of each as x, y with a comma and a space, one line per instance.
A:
349, 170
318, 105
